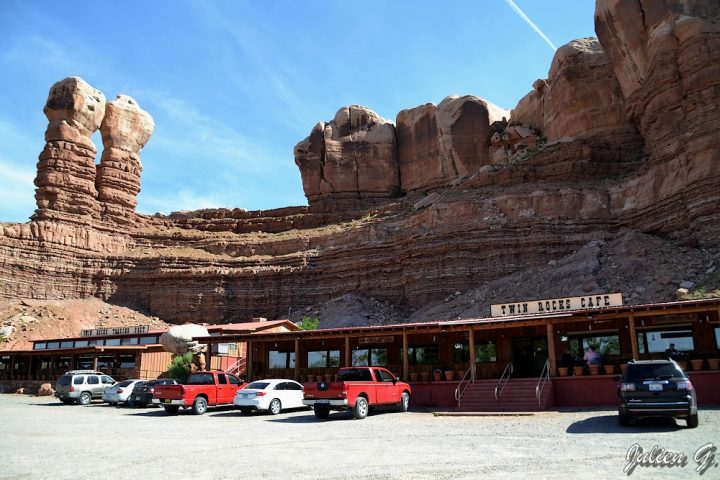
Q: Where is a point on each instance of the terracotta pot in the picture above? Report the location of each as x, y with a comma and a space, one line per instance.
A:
563, 371
311, 378
623, 366
594, 369
609, 369
425, 376
577, 371
449, 375
697, 363
437, 376
413, 377
713, 363
683, 364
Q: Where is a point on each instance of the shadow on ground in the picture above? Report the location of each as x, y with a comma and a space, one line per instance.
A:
609, 424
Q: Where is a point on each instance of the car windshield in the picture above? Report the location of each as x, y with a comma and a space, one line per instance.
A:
355, 375
258, 385
124, 383
646, 372
64, 380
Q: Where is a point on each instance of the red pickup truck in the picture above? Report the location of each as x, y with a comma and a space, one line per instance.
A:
202, 390
357, 388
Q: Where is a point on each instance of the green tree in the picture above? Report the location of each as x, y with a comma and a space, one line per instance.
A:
310, 323
179, 367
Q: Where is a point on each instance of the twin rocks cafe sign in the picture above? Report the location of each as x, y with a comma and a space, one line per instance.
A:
555, 305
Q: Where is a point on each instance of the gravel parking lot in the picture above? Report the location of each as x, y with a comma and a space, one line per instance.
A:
41, 438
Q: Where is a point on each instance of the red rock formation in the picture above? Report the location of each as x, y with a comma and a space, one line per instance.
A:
66, 169
125, 130
438, 145
349, 161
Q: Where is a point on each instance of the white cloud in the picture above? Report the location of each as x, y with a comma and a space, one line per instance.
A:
181, 200
527, 20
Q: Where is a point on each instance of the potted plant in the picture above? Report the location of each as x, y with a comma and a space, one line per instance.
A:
413, 376
449, 375
697, 363
577, 370
310, 378
713, 363
609, 368
425, 376
594, 369
437, 375
563, 371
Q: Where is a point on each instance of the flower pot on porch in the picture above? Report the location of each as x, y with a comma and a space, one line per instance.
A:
623, 366
425, 376
713, 363
563, 371
311, 378
577, 371
437, 375
594, 369
683, 364
609, 369
449, 375
413, 377
697, 363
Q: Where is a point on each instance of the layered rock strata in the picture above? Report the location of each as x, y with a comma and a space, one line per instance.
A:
125, 130
66, 169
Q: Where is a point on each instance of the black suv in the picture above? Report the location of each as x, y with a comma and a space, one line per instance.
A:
656, 388
143, 392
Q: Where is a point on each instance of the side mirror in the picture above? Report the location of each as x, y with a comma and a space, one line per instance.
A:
396, 379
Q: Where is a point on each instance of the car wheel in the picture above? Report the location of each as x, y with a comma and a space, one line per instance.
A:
171, 409
623, 420
245, 410
692, 421
199, 406
275, 406
404, 402
84, 399
322, 412
360, 410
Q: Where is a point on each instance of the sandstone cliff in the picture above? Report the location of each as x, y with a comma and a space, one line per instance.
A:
603, 178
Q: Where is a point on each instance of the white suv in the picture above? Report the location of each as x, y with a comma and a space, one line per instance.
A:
81, 386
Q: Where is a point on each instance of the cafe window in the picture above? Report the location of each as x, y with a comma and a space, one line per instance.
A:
66, 344
127, 361
323, 358
364, 357
277, 359
604, 344
112, 342
424, 355
85, 363
5, 363
129, 341
485, 352
148, 340
106, 361
461, 352
81, 343
657, 341
39, 346
717, 337
53, 344
64, 363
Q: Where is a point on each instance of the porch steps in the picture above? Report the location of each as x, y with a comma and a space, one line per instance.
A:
518, 396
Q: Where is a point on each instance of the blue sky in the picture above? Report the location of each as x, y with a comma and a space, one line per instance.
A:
234, 85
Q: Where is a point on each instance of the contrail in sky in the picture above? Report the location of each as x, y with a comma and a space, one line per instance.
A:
522, 15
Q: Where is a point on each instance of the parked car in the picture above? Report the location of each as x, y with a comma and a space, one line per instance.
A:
656, 388
358, 389
142, 394
81, 386
120, 392
202, 390
273, 395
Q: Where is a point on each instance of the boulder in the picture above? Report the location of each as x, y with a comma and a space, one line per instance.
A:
350, 159
65, 179
437, 145
20, 391
7, 332
45, 390
179, 339
125, 129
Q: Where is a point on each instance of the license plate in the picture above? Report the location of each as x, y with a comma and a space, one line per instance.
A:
322, 402
655, 387
167, 400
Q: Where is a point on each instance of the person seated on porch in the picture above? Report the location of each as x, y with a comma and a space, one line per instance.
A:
671, 352
592, 357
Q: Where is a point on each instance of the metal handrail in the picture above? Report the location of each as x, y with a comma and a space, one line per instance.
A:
503, 380
468, 378
544, 378
237, 367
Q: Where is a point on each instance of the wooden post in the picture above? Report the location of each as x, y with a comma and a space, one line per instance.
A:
249, 361
95, 361
12, 367
347, 351
405, 365
29, 368
551, 348
633, 337
208, 357
471, 342
297, 359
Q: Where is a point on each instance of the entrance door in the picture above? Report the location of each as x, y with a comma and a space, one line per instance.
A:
529, 356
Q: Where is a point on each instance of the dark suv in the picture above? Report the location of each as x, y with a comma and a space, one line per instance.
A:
656, 388
143, 392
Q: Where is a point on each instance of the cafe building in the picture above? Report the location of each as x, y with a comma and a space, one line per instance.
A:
526, 356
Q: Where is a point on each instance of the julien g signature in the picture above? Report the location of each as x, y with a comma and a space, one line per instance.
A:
659, 457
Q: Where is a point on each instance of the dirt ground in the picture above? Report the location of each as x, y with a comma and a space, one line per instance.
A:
42, 438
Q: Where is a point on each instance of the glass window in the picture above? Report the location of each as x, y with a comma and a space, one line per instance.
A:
81, 343
93, 380
66, 344
148, 340
323, 359
717, 337
233, 380
461, 352
113, 342
384, 376
258, 385
278, 359
129, 341
378, 356
355, 375
201, 379
39, 346
425, 355
84, 363
78, 380
64, 381
105, 361
53, 344
127, 361
659, 340
360, 358
107, 380
293, 386
369, 357
221, 379
280, 386
485, 352
124, 383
